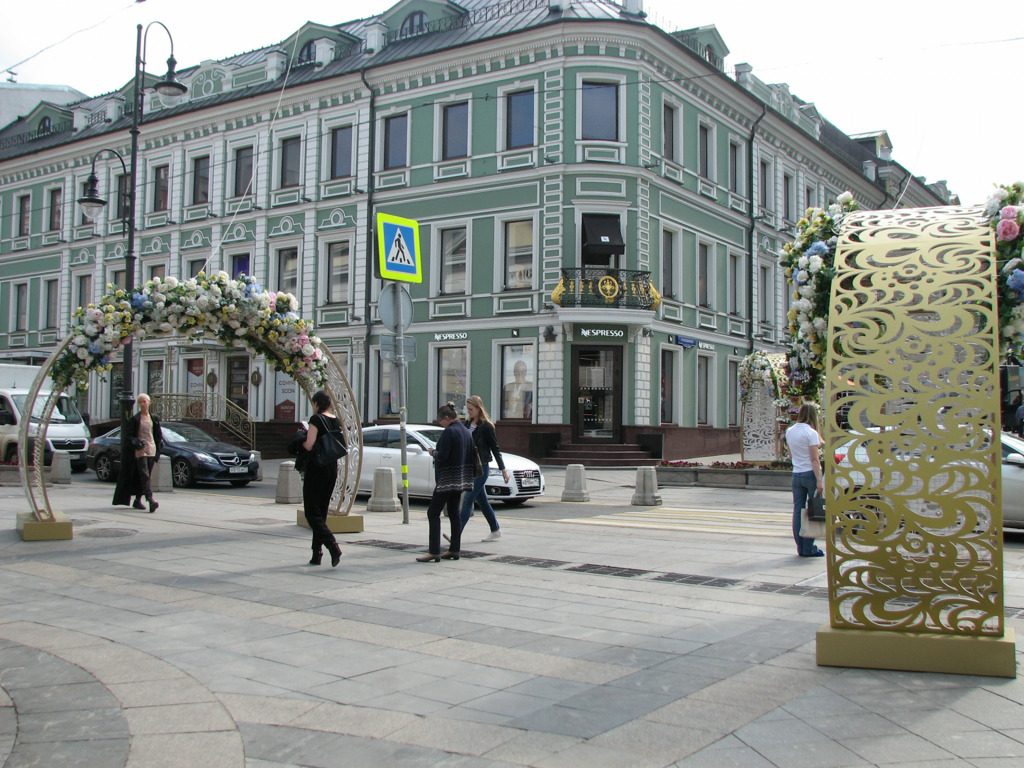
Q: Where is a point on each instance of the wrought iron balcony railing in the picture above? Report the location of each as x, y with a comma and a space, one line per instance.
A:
603, 288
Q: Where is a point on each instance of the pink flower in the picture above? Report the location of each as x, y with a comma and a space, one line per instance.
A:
1007, 230
1009, 212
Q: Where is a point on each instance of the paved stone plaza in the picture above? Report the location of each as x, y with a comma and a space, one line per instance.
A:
590, 635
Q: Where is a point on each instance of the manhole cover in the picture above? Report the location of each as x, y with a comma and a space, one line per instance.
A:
108, 533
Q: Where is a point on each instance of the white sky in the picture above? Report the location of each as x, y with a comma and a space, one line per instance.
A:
943, 79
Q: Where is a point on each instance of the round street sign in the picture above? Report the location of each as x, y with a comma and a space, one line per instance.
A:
393, 296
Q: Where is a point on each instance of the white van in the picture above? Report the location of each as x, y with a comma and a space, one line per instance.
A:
67, 430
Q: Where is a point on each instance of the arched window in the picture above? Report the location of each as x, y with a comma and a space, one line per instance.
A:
308, 53
45, 125
414, 24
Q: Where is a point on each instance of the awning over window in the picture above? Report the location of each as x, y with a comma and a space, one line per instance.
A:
601, 235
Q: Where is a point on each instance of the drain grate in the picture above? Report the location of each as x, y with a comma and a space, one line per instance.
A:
107, 533
788, 589
388, 544
608, 570
260, 521
700, 581
533, 562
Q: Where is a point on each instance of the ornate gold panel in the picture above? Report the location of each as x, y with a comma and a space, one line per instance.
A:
912, 388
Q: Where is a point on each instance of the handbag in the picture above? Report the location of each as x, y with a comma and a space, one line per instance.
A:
812, 527
816, 507
329, 448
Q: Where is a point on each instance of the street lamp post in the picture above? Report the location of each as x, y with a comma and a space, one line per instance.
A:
171, 90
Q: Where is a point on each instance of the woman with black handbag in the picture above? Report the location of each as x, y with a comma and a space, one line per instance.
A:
319, 479
144, 442
804, 446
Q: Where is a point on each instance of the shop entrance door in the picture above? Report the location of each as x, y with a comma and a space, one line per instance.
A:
597, 387
238, 381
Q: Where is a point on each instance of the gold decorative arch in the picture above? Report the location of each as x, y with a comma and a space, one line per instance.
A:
911, 400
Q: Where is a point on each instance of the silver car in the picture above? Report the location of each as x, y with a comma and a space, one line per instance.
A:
382, 448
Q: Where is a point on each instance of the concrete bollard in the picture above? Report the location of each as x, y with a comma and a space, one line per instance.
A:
162, 481
384, 498
259, 460
646, 493
575, 484
60, 468
289, 484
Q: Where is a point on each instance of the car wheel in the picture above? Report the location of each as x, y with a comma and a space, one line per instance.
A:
181, 474
104, 468
11, 457
239, 483
513, 502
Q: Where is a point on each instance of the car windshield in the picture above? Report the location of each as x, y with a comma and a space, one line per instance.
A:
430, 434
64, 412
185, 433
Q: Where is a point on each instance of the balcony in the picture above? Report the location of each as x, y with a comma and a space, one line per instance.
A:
603, 288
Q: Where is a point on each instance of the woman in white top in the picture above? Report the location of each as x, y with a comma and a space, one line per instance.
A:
804, 441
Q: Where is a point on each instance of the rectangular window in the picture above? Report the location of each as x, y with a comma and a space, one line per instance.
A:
734, 393
704, 151
155, 377
157, 271
519, 119
600, 112
200, 180
121, 209
56, 200
451, 376
291, 162
83, 294
765, 195
243, 171
396, 130
21, 307
788, 204
117, 278
668, 386
387, 397
240, 264
703, 274
809, 198
196, 266
668, 267
518, 255
24, 215
453, 261
82, 192
517, 381
52, 304
735, 155
288, 270
735, 284
161, 187
764, 294
668, 132
455, 133
341, 152
337, 278
703, 382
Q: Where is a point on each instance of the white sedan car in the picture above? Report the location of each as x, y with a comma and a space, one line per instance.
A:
1012, 469
382, 448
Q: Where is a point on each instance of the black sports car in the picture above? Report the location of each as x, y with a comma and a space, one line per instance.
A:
196, 456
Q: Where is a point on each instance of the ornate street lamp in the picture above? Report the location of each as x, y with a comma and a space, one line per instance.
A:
171, 91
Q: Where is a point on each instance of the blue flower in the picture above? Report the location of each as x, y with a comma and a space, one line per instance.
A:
138, 301
1015, 282
817, 249
94, 349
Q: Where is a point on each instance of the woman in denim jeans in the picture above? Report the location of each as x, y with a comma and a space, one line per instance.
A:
804, 442
486, 441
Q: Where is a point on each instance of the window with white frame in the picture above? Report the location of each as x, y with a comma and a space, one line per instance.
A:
455, 130
341, 152
453, 261
810, 198
243, 171
396, 149
55, 200
241, 264
83, 190
117, 278
519, 119
291, 162
200, 180
788, 197
161, 187
288, 270
736, 284
156, 271
452, 376
765, 184
518, 255
599, 111
387, 390
704, 275
669, 128
668, 263
24, 215
703, 390
735, 167
706, 151
21, 307
337, 272
734, 393
83, 289
52, 306
195, 266
764, 303
669, 361
123, 205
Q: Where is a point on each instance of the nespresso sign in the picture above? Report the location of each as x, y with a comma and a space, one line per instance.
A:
608, 332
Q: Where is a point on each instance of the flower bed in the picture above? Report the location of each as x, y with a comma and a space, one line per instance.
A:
737, 474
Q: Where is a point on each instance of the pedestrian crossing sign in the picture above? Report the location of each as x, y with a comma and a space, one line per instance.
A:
398, 249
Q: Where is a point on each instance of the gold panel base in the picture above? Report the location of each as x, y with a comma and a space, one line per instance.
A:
918, 652
59, 529
336, 523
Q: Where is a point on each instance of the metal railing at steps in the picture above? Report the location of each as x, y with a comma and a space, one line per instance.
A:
207, 407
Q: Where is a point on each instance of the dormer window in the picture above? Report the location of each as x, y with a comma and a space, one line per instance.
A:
415, 24
45, 125
308, 53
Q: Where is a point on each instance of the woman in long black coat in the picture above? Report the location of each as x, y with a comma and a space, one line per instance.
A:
138, 455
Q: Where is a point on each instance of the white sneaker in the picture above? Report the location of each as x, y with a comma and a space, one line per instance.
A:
492, 536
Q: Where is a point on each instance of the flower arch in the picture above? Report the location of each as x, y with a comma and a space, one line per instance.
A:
238, 312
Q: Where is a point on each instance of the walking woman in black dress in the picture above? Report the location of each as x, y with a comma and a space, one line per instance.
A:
318, 482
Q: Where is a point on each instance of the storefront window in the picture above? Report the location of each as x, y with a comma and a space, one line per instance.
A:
387, 398
451, 376
517, 381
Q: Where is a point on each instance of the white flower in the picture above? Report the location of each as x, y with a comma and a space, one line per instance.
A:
835, 210
820, 324
802, 262
802, 276
844, 198
807, 291
815, 263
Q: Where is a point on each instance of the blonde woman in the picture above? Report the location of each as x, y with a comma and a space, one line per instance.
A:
486, 441
144, 442
804, 442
